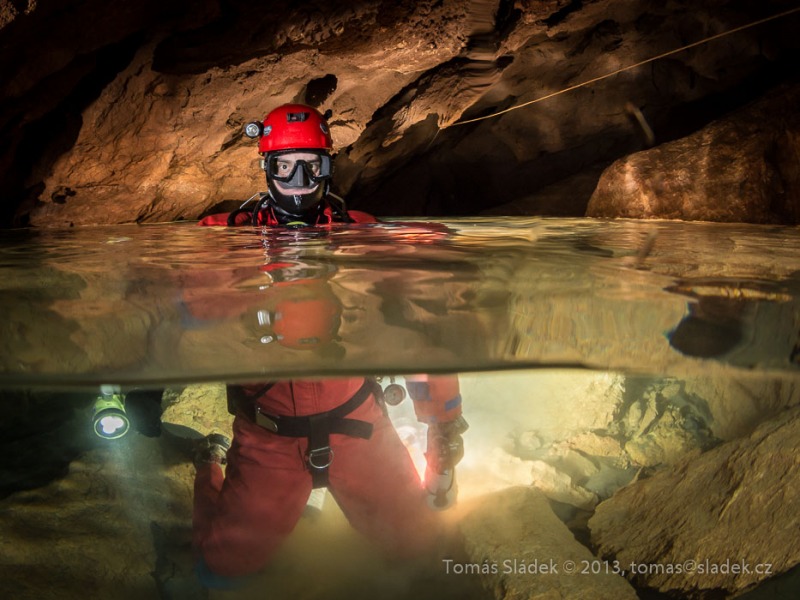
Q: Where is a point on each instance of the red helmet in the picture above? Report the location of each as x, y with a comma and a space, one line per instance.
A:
294, 127
300, 311
306, 324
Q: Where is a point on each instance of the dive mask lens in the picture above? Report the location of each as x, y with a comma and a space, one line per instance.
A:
299, 172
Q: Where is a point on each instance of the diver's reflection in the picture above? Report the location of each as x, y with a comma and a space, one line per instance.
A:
290, 437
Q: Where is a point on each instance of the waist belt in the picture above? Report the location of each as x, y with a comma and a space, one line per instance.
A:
317, 428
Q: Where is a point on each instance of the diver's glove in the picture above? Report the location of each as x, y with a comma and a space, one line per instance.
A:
445, 450
212, 449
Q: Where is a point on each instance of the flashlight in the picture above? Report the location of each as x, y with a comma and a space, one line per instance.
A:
108, 417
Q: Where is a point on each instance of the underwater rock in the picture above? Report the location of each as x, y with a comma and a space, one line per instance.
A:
612, 467
40, 434
95, 531
664, 419
559, 486
737, 169
707, 522
640, 416
577, 465
674, 434
738, 403
577, 478
595, 444
527, 443
503, 470
660, 422
202, 408
521, 549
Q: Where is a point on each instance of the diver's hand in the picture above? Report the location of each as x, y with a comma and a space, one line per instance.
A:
212, 449
445, 444
445, 451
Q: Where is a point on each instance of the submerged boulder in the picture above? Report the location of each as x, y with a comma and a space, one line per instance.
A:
711, 525
522, 550
197, 409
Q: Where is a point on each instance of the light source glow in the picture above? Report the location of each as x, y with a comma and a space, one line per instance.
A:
108, 417
112, 424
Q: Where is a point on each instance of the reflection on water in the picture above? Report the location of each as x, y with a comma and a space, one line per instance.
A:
592, 356
179, 303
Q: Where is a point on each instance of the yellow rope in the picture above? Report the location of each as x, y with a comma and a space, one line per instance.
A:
629, 67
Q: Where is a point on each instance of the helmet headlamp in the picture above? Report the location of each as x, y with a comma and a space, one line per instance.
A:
254, 129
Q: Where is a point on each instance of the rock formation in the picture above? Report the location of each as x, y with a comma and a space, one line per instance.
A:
742, 168
739, 529
522, 550
530, 479
139, 117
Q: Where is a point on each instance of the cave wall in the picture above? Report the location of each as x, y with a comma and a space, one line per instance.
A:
127, 112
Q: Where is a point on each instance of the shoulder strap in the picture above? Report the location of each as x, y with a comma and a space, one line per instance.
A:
238, 401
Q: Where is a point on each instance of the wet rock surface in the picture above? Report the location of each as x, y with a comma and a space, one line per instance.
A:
742, 168
523, 550
196, 410
645, 425
110, 525
742, 516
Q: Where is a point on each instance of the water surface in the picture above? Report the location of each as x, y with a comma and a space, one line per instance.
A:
590, 353
174, 302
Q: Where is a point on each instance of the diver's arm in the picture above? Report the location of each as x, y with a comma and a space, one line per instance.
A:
437, 402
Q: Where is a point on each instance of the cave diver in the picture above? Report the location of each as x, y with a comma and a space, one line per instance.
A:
295, 145
293, 436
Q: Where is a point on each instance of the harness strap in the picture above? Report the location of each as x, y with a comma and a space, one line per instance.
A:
317, 428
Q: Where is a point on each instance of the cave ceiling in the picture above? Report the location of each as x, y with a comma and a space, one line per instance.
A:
133, 111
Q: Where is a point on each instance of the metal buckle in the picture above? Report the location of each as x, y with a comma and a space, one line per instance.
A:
318, 451
264, 421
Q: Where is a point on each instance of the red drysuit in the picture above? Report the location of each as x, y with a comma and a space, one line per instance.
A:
267, 218
240, 518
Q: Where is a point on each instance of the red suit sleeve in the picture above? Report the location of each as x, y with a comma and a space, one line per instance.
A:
243, 218
218, 220
437, 398
361, 217
221, 220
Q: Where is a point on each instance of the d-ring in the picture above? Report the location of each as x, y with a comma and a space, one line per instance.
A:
319, 451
